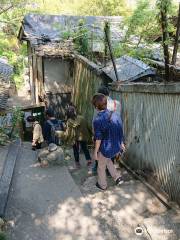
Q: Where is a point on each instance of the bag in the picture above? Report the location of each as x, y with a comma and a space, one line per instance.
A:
54, 129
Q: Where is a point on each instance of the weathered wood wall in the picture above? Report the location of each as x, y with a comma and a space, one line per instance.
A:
87, 79
30, 60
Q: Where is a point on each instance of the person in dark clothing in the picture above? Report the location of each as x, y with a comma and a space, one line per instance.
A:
50, 127
77, 134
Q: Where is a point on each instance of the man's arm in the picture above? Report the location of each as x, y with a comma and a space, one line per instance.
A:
96, 150
97, 136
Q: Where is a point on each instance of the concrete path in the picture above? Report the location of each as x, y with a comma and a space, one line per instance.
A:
45, 203
49, 203
21, 98
120, 210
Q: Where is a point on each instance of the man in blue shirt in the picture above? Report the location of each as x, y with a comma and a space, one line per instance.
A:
112, 105
108, 136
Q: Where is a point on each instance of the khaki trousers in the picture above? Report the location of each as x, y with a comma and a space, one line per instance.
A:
104, 162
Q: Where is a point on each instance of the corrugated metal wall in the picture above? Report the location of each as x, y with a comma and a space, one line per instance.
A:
152, 132
86, 83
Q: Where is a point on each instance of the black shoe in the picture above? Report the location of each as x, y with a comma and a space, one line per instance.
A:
119, 181
98, 186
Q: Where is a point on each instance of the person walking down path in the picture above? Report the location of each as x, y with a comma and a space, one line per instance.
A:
108, 134
112, 105
51, 126
37, 133
77, 134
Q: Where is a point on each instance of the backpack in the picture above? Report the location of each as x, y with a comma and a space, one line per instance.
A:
54, 128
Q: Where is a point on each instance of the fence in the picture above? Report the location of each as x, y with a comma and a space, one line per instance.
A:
151, 115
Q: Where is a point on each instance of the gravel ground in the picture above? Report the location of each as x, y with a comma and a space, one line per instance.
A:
120, 210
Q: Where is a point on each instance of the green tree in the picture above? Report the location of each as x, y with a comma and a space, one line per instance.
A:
165, 7
143, 24
104, 8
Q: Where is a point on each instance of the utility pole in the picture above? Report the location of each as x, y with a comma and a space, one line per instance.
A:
163, 7
107, 36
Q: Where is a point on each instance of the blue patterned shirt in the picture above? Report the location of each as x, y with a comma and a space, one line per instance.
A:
108, 128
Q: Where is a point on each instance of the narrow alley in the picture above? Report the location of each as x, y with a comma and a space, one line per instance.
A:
63, 203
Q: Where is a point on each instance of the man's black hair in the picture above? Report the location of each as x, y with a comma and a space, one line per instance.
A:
49, 112
104, 90
71, 112
31, 119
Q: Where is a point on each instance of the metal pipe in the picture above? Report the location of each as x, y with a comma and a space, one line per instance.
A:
161, 198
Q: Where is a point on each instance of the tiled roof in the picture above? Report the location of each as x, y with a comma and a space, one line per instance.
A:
5, 71
4, 94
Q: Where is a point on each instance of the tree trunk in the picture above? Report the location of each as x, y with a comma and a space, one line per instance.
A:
164, 25
176, 43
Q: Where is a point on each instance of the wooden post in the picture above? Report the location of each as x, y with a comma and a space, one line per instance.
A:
105, 49
107, 35
92, 37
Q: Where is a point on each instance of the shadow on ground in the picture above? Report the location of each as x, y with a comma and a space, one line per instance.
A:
47, 203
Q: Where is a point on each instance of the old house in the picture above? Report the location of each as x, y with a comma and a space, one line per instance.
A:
51, 57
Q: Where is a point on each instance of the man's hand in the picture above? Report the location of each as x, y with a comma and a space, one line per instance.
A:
33, 143
123, 147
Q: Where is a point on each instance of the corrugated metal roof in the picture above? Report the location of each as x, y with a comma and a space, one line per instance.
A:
129, 69
44, 28
5, 71
4, 93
